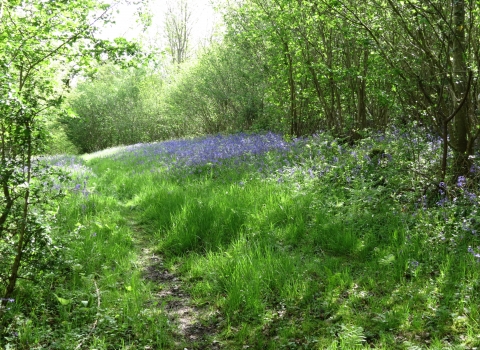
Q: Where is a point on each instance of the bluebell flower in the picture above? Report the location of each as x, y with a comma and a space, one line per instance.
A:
442, 202
423, 200
475, 254
471, 196
462, 181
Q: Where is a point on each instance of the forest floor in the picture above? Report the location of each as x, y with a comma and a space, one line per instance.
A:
193, 327
309, 247
190, 322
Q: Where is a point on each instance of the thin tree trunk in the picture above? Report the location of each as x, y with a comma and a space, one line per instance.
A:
461, 162
291, 85
22, 235
361, 94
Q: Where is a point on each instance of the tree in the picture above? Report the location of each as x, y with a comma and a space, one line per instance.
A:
114, 107
178, 27
33, 35
433, 49
348, 65
221, 92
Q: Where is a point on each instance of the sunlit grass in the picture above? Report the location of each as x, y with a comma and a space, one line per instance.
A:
109, 152
310, 246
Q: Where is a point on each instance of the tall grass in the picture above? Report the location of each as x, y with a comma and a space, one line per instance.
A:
303, 245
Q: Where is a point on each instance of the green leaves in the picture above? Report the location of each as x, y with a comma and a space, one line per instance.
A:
116, 106
120, 52
40, 42
62, 301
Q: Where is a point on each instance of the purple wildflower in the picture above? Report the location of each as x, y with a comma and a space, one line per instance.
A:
475, 254
462, 181
471, 196
442, 201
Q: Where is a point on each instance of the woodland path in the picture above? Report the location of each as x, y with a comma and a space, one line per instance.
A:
192, 327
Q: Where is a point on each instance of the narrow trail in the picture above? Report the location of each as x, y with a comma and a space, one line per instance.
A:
192, 326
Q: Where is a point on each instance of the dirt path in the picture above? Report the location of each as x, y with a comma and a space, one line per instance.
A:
193, 327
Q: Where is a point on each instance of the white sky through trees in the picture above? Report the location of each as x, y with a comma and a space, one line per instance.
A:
129, 26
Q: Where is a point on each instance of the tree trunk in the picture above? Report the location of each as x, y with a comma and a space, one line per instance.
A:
461, 127
361, 94
22, 236
294, 128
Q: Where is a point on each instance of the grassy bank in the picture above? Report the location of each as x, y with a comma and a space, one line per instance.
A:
308, 244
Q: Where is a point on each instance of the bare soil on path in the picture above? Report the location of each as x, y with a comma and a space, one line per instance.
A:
193, 327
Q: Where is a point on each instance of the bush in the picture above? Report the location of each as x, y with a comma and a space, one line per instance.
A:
114, 108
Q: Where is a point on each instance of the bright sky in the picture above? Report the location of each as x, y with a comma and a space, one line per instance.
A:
127, 24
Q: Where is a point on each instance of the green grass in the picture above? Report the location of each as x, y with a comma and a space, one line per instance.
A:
294, 264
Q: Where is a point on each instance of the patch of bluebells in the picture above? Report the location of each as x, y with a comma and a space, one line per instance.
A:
266, 155
4, 301
77, 173
320, 157
209, 149
474, 170
181, 158
442, 191
461, 181
468, 200
475, 252
462, 194
8, 300
467, 195
464, 209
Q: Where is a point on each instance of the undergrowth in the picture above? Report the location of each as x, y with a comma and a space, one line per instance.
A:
308, 244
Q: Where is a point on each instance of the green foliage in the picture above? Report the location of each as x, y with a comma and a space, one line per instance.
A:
221, 92
36, 39
328, 246
303, 66
116, 107
90, 296
333, 246
32, 35
338, 250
